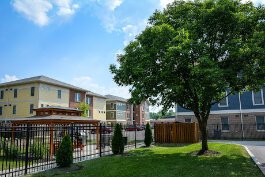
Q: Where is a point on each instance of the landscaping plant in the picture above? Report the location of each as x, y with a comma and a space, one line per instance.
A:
117, 140
148, 135
11, 151
38, 150
64, 155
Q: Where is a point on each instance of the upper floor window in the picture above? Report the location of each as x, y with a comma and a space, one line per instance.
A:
77, 97
260, 122
41, 105
225, 123
127, 106
15, 93
2, 94
188, 120
223, 102
111, 105
1, 110
88, 101
32, 91
257, 98
14, 109
59, 94
31, 108
112, 114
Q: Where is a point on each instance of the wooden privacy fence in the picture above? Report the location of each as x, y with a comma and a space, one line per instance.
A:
177, 133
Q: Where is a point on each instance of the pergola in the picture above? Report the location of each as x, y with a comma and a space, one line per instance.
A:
52, 121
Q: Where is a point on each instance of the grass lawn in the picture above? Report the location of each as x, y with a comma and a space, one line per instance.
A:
166, 162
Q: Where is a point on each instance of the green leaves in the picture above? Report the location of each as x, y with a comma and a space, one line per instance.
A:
192, 53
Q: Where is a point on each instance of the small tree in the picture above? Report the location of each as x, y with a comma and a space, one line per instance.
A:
117, 140
64, 155
148, 135
84, 107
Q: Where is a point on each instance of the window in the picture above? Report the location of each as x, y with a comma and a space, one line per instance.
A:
14, 109
223, 102
41, 105
59, 94
188, 120
88, 100
32, 91
1, 110
77, 97
87, 112
128, 115
257, 98
31, 108
112, 114
111, 105
143, 115
225, 124
15, 93
260, 122
2, 94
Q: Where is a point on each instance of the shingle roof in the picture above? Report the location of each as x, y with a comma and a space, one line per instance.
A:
96, 94
42, 79
117, 98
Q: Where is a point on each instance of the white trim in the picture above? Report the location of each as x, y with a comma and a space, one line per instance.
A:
226, 99
225, 112
262, 100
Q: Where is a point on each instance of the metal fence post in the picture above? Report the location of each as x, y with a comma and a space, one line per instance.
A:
27, 149
72, 133
100, 139
135, 135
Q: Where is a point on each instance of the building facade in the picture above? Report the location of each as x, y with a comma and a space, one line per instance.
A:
97, 106
19, 98
236, 116
116, 109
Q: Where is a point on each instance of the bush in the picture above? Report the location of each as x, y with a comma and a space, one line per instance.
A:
64, 155
148, 135
38, 150
117, 141
11, 151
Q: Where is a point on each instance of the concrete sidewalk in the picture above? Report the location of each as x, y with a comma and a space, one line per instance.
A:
256, 150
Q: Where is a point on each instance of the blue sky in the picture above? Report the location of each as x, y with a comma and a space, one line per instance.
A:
74, 41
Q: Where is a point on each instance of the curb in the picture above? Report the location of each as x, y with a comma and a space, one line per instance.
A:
262, 169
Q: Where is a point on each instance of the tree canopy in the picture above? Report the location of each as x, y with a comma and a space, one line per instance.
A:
192, 52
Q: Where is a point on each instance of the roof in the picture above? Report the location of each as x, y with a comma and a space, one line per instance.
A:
53, 119
95, 94
59, 107
42, 79
115, 98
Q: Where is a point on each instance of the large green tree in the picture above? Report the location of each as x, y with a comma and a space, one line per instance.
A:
191, 53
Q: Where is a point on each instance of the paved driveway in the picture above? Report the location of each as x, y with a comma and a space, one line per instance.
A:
257, 148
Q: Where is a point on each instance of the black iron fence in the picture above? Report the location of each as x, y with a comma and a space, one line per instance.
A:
30, 148
236, 131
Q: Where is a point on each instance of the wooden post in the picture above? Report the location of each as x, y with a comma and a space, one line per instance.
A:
51, 142
97, 136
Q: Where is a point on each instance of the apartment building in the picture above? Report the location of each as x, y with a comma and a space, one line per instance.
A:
236, 116
116, 109
19, 98
97, 106
119, 110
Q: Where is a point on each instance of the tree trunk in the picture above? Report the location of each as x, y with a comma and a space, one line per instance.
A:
204, 138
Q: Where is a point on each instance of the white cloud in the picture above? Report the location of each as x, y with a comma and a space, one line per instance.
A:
8, 78
40, 11
112, 4
131, 31
88, 83
66, 8
35, 11
164, 3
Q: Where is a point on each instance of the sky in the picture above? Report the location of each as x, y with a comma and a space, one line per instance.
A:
73, 41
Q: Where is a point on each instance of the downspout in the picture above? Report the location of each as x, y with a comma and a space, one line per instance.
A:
241, 116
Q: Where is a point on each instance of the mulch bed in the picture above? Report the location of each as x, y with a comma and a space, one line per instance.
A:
207, 153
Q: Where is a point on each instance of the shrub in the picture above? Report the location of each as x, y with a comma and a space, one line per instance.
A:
38, 150
117, 140
64, 155
11, 151
148, 135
